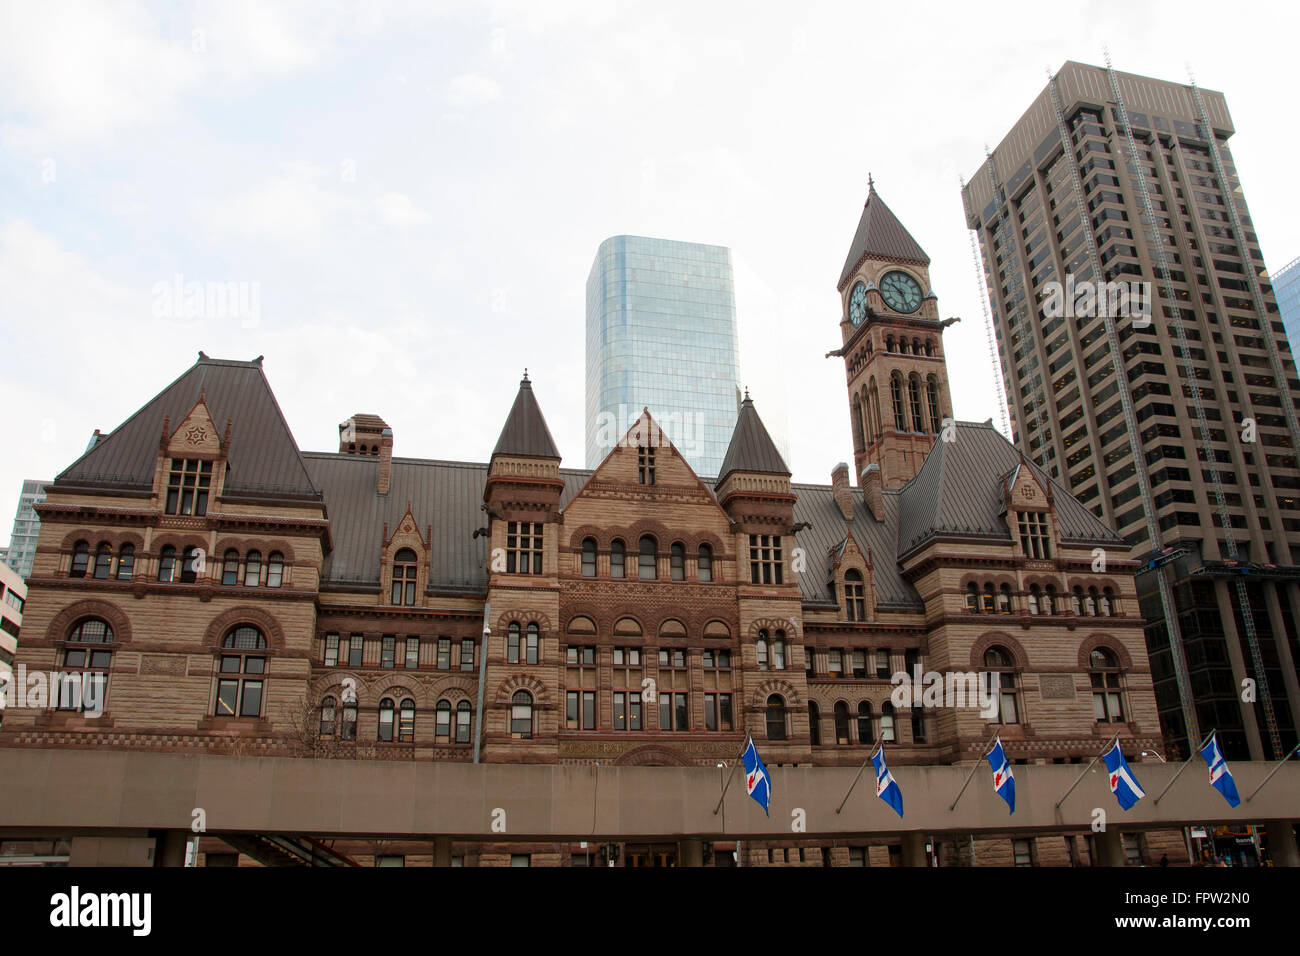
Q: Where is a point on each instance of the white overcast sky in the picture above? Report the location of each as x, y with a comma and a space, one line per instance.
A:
418, 189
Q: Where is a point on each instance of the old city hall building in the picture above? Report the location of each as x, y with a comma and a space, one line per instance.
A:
226, 592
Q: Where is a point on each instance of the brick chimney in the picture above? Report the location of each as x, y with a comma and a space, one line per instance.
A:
843, 493
385, 460
872, 489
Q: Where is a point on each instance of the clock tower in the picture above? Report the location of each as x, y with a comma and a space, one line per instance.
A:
892, 349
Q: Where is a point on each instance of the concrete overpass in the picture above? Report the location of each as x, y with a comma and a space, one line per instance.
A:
113, 796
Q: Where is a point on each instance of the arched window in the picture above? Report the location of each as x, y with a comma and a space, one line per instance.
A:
191, 565
859, 432
462, 722
348, 729
365, 449
916, 347
855, 605
1004, 599
532, 649
704, 563
588, 557
125, 562
873, 395
929, 347
760, 647
896, 393
1000, 683
241, 670
521, 715
776, 717
987, 605
1090, 603
1033, 599
889, 343
914, 397
386, 709
778, 651
406, 721
404, 570
327, 716
887, 722
932, 400
814, 724
972, 598
866, 732
1049, 600
253, 569
230, 567
841, 723
274, 569
442, 726
902, 346
617, 551
1076, 601
512, 643
103, 560
167, 564
1107, 601
83, 679
80, 560
677, 561
1107, 702
647, 570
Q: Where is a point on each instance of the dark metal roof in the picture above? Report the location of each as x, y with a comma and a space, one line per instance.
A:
880, 234
525, 432
959, 490
263, 456
751, 448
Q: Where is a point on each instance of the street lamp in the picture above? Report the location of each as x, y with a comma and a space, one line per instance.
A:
1152, 753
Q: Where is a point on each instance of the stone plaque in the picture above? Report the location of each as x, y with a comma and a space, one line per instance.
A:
162, 664
1056, 686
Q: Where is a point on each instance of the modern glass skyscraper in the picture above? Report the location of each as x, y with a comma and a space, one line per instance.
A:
27, 527
661, 334
1286, 286
1119, 189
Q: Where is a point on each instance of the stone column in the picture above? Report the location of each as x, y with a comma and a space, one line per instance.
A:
1109, 845
690, 852
914, 849
1281, 842
442, 851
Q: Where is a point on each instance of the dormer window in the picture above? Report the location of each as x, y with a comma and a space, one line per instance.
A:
188, 482
645, 464
1035, 535
404, 569
855, 606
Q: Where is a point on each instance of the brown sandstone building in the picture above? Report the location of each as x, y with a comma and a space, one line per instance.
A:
239, 595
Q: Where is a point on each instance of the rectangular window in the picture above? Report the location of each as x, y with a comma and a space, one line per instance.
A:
388, 657
765, 564
444, 653
673, 712
1023, 853
356, 648
645, 465
331, 650
588, 710
717, 712
1035, 540
523, 547
412, 652
188, 482
467, 654
882, 665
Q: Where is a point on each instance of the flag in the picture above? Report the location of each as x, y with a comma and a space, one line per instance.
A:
1003, 782
757, 782
1220, 776
886, 786
1122, 782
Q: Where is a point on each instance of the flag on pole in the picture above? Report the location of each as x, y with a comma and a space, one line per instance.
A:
1003, 781
1122, 782
886, 786
1220, 776
757, 782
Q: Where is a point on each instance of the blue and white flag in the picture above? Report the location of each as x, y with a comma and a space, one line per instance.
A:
1122, 782
757, 782
886, 786
1220, 776
1003, 782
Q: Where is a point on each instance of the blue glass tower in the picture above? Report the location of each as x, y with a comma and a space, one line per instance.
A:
661, 334
1286, 287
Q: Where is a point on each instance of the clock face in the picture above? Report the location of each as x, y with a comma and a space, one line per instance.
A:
901, 292
858, 304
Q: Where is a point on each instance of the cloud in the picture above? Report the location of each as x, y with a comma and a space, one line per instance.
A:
290, 209
396, 209
471, 89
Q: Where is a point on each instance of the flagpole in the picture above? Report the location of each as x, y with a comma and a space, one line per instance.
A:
1291, 754
859, 776
1110, 744
734, 768
1195, 753
971, 776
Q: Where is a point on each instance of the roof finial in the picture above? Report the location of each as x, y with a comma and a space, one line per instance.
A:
525, 374
871, 183
746, 393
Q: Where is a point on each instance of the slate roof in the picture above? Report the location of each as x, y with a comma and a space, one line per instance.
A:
264, 458
959, 491
880, 234
525, 432
751, 447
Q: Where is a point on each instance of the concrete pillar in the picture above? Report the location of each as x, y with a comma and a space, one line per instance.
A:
1109, 844
1281, 842
442, 851
171, 847
1237, 659
690, 852
914, 850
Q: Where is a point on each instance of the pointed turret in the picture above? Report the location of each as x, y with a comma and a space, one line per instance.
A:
525, 433
524, 471
751, 449
880, 236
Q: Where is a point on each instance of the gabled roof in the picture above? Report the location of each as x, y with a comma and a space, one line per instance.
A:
880, 235
960, 490
525, 432
751, 448
263, 456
